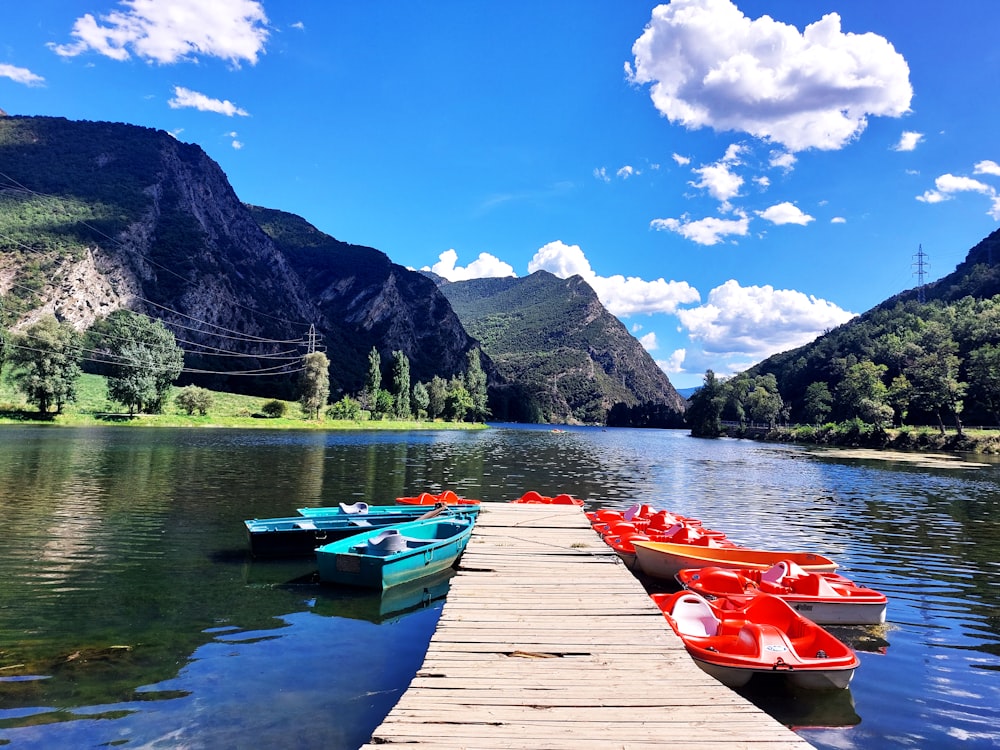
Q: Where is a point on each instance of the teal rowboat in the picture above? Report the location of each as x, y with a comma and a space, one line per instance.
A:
299, 536
383, 558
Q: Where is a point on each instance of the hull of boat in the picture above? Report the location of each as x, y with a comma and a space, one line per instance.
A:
431, 546
665, 560
764, 637
839, 613
825, 598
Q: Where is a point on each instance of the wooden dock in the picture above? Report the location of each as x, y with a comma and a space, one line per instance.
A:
547, 641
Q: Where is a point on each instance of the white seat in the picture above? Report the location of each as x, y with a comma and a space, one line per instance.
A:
694, 616
775, 573
359, 508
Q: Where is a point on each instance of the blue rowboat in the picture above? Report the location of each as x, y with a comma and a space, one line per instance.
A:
382, 558
364, 509
299, 536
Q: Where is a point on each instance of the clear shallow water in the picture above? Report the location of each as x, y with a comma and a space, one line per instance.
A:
130, 615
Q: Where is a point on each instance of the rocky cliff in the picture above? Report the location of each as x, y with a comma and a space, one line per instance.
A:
99, 216
565, 357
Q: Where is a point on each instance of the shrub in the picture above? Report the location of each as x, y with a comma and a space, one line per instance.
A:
274, 408
194, 399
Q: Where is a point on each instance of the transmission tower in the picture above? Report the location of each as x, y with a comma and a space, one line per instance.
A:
312, 339
921, 264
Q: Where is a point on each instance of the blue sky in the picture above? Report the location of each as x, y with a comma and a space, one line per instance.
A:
733, 177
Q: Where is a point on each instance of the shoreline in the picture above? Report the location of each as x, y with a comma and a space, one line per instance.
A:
919, 439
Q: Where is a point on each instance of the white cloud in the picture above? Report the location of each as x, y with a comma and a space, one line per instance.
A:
601, 173
184, 98
169, 32
674, 364
783, 160
987, 166
622, 296
20, 75
708, 65
947, 185
838, 220
682, 160
708, 231
626, 172
649, 342
237, 145
785, 213
758, 321
486, 266
908, 141
719, 180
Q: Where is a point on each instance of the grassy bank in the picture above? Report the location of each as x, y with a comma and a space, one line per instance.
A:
228, 410
860, 435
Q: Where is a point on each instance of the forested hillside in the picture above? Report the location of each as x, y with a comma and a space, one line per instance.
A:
926, 356
564, 354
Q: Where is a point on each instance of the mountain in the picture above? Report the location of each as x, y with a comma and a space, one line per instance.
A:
564, 356
963, 308
97, 216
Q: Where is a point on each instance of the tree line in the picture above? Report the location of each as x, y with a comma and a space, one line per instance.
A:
906, 364
141, 361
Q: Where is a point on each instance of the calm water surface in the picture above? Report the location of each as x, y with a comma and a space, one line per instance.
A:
131, 617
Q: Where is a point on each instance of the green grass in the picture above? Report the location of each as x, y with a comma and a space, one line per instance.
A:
228, 410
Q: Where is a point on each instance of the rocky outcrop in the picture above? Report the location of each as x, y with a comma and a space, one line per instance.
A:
142, 221
563, 356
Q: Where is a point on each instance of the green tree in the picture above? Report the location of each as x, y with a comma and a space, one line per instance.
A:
933, 371
346, 408
193, 399
314, 384
763, 402
401, 384
373, 380
142, 359
45, 363
984, 378
458, 402
4, 348
862, 393
437, 393
421, 400
705, 412
475, 384
818, 402
899, 396
384, 404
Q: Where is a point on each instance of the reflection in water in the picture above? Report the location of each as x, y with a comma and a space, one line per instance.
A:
131, 614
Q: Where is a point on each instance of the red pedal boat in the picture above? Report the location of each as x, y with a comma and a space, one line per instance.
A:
764, 637
825, 598
447, 497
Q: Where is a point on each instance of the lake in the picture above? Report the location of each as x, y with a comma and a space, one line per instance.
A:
131, 616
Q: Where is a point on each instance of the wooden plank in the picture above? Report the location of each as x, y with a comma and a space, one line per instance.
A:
546, 640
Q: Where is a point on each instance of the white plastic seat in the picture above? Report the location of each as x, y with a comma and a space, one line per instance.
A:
775, 573
359, 508
694, 616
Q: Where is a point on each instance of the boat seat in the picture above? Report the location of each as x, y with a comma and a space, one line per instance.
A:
360, 522
307, 525
386, 543
694, 616
775, 573
360, 508
815, 585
